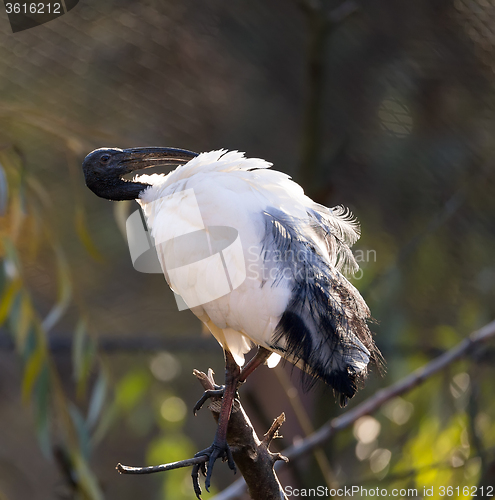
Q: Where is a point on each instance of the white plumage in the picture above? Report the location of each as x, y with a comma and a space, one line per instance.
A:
239, 192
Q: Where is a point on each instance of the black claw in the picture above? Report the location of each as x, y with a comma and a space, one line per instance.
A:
230, 460
217, 392
214, 452
203, 468
195, 479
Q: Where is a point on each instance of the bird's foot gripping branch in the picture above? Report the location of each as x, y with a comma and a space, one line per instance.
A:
252, 455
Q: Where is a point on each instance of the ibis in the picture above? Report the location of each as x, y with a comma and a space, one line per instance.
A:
287, 292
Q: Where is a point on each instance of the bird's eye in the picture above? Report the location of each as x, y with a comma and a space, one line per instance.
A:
105, 158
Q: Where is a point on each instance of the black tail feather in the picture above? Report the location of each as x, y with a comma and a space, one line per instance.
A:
324, 329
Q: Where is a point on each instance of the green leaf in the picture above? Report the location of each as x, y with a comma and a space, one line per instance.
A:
32, 370
83, 354
82, 430
87, 481
78, 349
42, 410
8, 298
109, 416
64, 292
22, 319
97, 400
17, 216
131, 389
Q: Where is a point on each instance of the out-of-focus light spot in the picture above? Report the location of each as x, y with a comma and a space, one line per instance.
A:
165, 366
482, 423
460, 384
292, 392
297, 440
10, 269
398, 410
456, 460
364, 451
173, 409
472, 468
366, 429
462, 380
380, 459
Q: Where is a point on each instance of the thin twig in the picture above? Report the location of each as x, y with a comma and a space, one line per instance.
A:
272, 432
372, 404
126, 469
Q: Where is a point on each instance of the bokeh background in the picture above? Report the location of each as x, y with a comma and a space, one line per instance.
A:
385, 106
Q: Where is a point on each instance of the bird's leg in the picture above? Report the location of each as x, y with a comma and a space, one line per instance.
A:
258, 359
220, 448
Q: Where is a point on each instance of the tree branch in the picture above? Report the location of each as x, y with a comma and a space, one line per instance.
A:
372, 404
252, 456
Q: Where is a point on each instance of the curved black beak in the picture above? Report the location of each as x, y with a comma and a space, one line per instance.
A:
139, 158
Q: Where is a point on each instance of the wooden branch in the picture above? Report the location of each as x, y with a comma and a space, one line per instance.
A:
372, 404
252, 456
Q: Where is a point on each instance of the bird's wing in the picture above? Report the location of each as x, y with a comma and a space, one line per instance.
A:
324, 326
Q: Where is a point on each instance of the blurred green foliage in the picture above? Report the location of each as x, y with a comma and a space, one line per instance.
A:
23, 230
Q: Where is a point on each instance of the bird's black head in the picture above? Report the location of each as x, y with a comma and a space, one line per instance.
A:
104, 168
